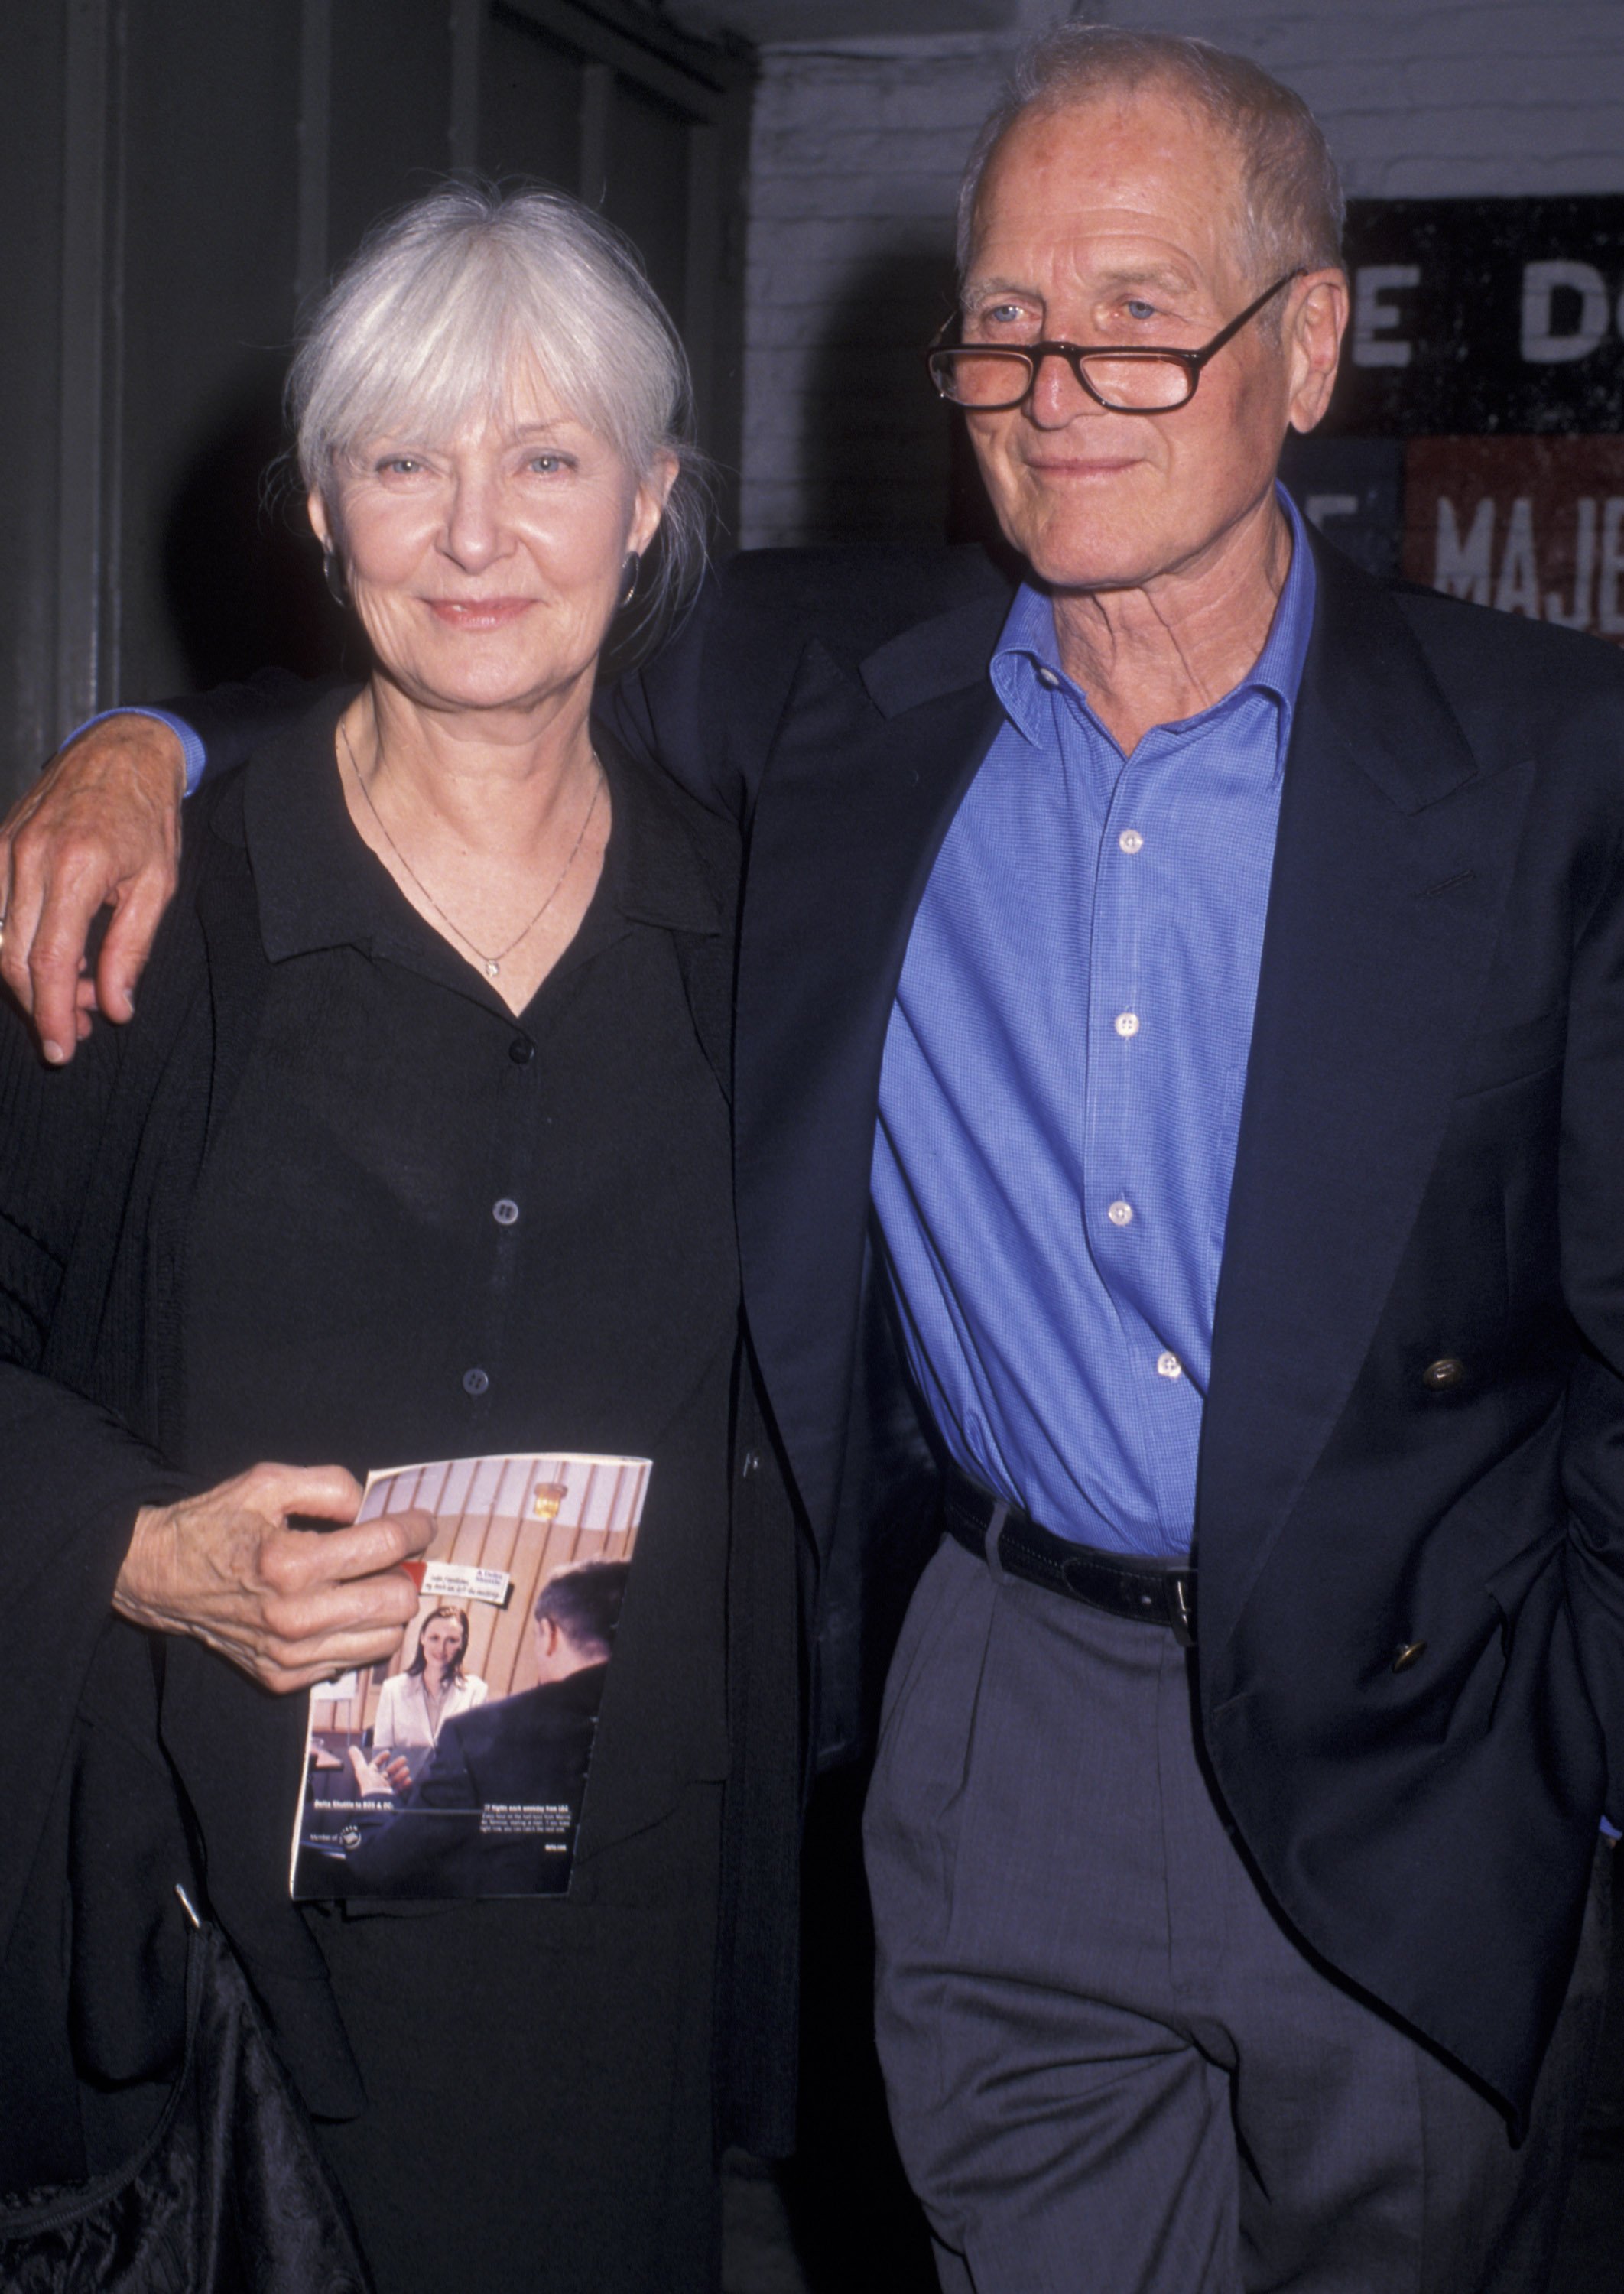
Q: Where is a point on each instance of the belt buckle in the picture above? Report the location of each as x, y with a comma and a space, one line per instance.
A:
1180, 1615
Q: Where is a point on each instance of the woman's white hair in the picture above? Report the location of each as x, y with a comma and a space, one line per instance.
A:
462, 298
1295, 205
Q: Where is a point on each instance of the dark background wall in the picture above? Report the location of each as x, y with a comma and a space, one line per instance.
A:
179, 175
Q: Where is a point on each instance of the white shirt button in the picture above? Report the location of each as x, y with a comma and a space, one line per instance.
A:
1169, 1366
1121, 1214
1131, 841
1047, 677
504, 1212
1127, 1023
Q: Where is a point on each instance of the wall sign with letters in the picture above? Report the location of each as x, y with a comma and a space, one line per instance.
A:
1476, 439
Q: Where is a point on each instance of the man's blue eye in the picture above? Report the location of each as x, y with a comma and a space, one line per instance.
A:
1138, 308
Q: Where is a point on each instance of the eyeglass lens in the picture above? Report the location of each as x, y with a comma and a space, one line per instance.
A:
1003, 378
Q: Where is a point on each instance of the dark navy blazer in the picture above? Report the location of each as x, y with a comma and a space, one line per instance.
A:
1415, 1432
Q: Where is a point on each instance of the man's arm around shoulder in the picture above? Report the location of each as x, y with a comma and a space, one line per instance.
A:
102, 829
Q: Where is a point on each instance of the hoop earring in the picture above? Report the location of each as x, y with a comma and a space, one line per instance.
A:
630, 574
332, 575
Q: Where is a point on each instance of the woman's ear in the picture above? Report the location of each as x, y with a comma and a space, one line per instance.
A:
321, 523
649, 507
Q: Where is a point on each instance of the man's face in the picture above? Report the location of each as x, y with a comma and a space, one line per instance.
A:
1120, 220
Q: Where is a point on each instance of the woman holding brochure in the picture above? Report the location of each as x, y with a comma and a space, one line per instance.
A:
418, 1148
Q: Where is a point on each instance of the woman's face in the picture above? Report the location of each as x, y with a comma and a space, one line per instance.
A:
486, 566
442, 1643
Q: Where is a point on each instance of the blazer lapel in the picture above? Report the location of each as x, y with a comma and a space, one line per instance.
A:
1394, 856
862, 783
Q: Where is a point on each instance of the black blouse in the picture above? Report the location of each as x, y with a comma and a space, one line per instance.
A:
426, 1229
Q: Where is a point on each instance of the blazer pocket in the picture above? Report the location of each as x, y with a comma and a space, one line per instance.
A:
1496, 1056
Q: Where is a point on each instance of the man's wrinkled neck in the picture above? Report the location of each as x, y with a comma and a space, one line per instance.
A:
1157, 651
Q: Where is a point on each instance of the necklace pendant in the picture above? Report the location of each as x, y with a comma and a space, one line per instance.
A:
491, 968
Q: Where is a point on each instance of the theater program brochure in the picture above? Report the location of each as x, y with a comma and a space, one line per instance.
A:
459, 1766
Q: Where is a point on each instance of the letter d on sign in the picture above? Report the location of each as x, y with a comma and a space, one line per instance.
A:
1541, 282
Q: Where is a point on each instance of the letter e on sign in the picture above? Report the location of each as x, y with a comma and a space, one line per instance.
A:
1374, 319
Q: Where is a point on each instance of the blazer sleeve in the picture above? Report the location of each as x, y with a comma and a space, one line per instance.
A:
387, 1722
1592, 1244
233, 721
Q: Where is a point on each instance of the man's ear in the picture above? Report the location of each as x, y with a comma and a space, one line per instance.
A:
1315, 325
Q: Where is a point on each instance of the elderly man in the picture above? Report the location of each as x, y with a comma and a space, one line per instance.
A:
1207, 963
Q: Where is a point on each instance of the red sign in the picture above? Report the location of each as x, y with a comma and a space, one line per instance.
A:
1531, 525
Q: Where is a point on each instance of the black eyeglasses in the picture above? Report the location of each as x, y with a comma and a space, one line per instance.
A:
1129, 378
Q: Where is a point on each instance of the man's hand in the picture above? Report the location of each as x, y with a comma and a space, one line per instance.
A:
100, 829
290, 1606
375, 1778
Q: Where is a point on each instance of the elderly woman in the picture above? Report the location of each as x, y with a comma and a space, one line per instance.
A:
418, 1148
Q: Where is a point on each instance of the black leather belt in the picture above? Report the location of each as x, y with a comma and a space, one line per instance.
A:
1150, 1592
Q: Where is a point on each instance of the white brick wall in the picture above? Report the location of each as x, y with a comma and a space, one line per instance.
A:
858, 148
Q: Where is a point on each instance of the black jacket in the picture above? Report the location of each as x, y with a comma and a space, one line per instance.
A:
1414, 1430
529, 1750
97, 1169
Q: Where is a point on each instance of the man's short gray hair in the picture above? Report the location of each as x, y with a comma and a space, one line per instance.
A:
462, 298
1294, 200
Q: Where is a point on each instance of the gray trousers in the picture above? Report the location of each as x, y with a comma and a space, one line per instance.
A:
1111, 2069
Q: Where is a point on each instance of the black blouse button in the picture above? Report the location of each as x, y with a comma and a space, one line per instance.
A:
521, 1051
1439, 1375
475, 1381
1407, 1653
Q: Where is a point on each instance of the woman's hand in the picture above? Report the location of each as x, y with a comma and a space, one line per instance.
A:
99, 828
290, 1606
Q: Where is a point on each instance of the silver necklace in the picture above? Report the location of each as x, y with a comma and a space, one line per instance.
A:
492, 963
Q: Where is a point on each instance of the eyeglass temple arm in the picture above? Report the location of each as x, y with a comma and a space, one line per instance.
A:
1227, 334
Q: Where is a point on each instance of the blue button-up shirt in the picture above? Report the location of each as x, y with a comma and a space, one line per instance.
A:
1062, 1082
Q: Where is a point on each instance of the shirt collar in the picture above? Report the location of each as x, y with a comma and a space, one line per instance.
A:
1026, 665
320, 887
